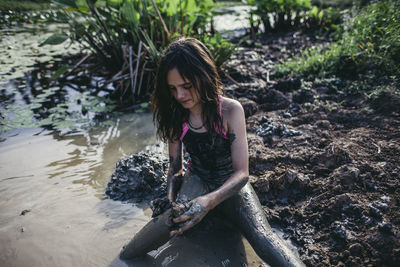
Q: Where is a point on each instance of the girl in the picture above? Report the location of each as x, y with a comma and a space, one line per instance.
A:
189, 110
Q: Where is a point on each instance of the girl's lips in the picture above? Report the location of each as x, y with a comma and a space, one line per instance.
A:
185, 102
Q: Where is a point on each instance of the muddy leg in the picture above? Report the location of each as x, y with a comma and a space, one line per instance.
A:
246, 212
156, 232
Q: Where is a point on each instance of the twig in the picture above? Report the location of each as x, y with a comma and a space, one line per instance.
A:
137, 69
161, 19
76, 65
141, 78
131, 71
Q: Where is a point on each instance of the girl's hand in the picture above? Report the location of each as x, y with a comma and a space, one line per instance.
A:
196, 209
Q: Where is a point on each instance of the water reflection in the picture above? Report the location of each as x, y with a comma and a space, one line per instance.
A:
94, 153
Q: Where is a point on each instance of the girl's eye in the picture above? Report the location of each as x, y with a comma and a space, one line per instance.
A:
188, 87
172, 88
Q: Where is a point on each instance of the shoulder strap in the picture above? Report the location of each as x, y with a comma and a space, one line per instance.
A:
185, 128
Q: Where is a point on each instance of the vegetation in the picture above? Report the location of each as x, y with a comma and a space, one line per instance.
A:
128, 36
284, 13
367, 44
18, 5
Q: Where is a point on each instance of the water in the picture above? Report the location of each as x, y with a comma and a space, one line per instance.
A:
55, 162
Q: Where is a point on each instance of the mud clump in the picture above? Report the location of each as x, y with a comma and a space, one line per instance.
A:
139, 177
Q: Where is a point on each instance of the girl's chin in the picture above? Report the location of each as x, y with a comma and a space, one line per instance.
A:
187, 104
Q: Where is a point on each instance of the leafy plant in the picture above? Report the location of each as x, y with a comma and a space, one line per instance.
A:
369, 42
279, 14
128, 36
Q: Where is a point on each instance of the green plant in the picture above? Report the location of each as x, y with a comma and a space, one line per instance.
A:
326, 19
279, 14
369, 42
128, 36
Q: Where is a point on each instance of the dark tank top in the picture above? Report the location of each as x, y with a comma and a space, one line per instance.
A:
210, 154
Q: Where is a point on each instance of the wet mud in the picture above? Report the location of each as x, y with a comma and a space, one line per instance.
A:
324, 162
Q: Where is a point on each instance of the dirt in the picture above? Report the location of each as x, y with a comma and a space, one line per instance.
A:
324, 162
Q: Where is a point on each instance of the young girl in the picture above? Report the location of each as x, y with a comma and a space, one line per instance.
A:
191, 111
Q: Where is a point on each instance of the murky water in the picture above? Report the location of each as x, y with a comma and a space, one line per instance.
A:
57, 179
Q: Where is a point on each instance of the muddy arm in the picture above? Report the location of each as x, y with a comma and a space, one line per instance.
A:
174, 174
200, 206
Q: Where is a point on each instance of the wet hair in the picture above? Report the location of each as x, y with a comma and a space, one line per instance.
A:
194, 63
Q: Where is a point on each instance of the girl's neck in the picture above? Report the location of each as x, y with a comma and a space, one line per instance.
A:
196, 111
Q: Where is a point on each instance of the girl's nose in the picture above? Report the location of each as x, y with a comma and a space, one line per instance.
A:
180, 92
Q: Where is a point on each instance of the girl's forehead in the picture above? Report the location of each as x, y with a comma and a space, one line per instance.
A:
175, 78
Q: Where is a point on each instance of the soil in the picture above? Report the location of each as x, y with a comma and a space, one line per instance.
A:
325, 163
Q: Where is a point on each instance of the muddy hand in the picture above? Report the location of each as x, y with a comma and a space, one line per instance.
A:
192, 216
179, 208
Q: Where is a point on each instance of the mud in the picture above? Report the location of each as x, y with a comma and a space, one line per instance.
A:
140, 177
324, 162
333, 185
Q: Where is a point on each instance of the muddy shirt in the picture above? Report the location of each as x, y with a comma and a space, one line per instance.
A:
211, 161
210, 154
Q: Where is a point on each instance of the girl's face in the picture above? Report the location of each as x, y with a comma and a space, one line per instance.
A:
183, 90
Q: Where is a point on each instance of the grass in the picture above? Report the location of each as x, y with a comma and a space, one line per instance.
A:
367, 43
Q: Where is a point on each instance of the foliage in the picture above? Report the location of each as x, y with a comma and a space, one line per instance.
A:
326, 19
128, 36
369, 42
284, 13
7, 5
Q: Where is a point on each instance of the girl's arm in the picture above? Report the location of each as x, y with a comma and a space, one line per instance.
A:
175, 169
200, 206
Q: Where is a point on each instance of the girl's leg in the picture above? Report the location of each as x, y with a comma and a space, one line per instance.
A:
245, 210
156, 232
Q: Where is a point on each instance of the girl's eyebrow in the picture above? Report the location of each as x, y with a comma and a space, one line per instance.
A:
183, 84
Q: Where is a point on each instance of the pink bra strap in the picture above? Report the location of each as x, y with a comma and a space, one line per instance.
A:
218, 128
185, 128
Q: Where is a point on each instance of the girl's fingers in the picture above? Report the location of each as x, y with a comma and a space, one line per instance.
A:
187, 226
184, 228
182, 218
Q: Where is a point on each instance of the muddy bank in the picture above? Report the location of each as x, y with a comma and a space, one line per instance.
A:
323, 162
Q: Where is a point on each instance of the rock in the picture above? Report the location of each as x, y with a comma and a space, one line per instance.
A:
250, 107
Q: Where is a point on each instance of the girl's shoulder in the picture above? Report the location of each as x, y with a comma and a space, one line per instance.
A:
230, 105
231, 109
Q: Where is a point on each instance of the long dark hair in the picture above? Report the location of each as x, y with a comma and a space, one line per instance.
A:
195, 63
